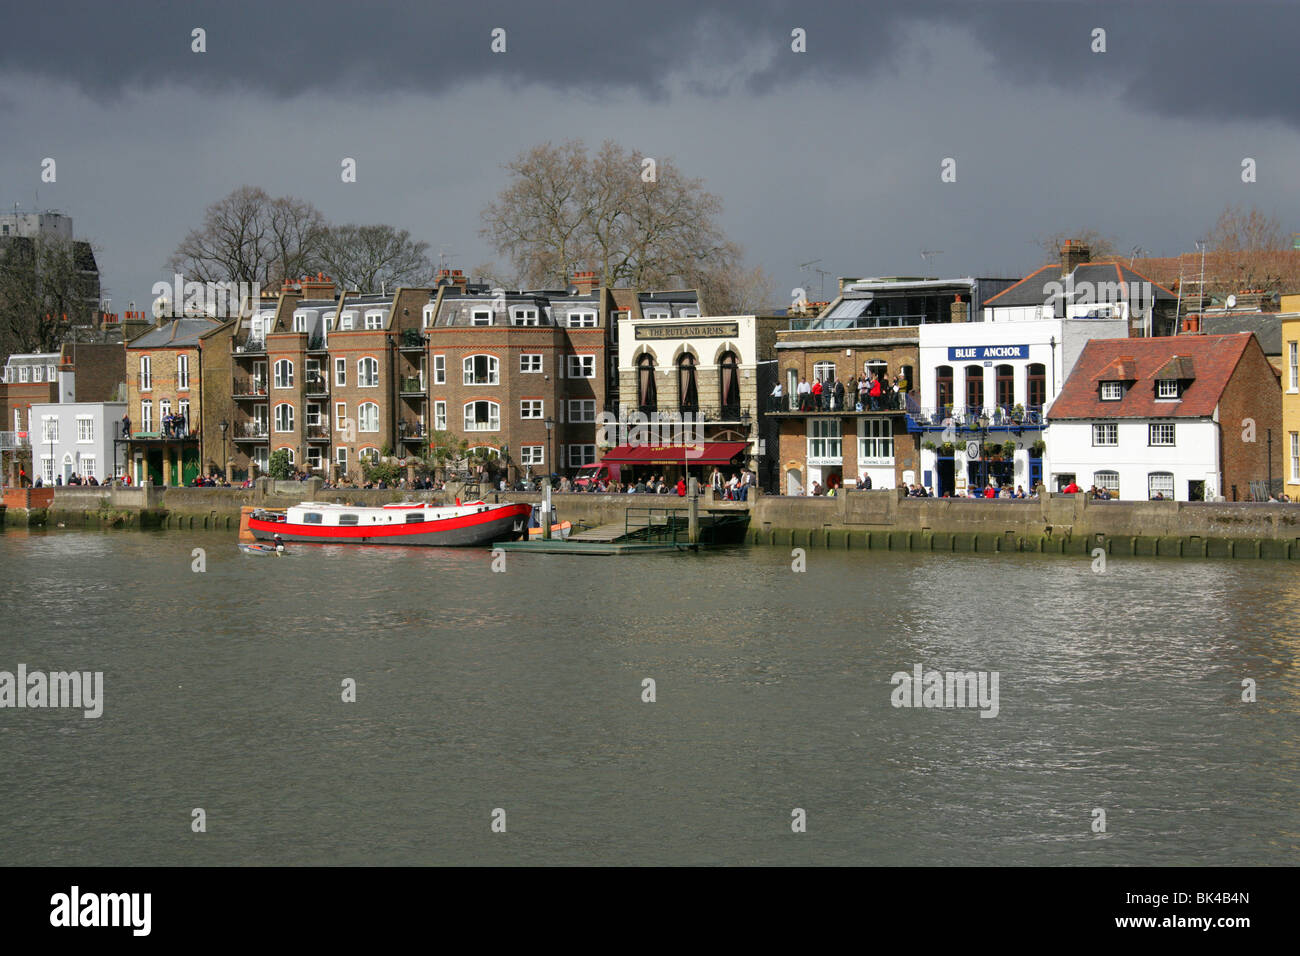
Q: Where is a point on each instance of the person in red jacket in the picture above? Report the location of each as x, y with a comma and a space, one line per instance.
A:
681, 487
817, 394
1071, 488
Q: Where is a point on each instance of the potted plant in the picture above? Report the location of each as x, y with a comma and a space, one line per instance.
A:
930, 446
948, 449
1018, 413
1009, 450
1038, 448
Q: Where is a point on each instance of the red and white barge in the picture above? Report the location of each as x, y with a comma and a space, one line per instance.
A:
407, 523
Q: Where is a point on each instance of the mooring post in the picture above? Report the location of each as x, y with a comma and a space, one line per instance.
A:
693, 510
546, 510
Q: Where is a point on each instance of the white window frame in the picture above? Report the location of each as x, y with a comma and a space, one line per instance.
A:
146, 373
146, 417
1112, 391
1151, 484
580, 455
1293, 356
582, 366
49, 428
341, 458
368, 415
1166, 388
440, 416
493, 370
825, 441
1105, 434
524, 315
582, 319
182, 373
582, 410
283, 423
1295, 456
38, 373
340, 372
283, 374
1108, 479
86, 466
480, 317
440, 370
530, 363
374, 319
428, 316
531, 408
493, 423
875, 441
85, 429
345, 322
340, 416
364, 364
532, 455
1158, 429
25, 373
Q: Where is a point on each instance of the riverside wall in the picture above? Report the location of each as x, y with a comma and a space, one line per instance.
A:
1068, 524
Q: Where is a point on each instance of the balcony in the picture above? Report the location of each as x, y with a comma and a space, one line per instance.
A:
317, 344
251, 346
249, 388
713, 414
411, 431
251, 431
975, 418
824, 324
412, 340
318, 385
318, 432
412, 385
889, 405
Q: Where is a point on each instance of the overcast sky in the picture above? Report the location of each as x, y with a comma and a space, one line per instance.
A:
833, 155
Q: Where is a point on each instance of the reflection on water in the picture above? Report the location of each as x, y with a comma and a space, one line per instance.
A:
522, 690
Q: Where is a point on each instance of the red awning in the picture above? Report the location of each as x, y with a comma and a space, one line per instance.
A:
700, 453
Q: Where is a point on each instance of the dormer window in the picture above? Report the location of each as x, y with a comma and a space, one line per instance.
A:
481, 317
523, 316
1167, 388
1112, 391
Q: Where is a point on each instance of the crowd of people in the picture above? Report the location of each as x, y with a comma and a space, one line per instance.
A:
871, 392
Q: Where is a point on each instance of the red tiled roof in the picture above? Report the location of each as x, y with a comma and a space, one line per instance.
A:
1213, 358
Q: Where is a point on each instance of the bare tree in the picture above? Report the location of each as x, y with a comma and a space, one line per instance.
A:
250, 237
1246, 230
1248, 252
46, 286
733, 290
371, 258
1099, 246
635, 220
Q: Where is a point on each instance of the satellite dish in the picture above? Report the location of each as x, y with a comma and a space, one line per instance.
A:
1232, 301
572, 290
161, 306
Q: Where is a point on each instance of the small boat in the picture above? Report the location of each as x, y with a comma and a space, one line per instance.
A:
406, 523
260, 548
561, 529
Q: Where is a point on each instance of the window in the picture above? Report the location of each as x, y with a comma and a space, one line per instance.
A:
729, 385
688, 396
1167, 388
340, 415
164, 409
345, 324
87, 467
370, 454
480, 370
974, 387
293, 458
1295, 456
582, 410
1293, 353
375, 319
183, 408
440, 370
1036, 382
1161, 484
1005, 383
49, 373
300, 321
146, 373
481, 317
348, 519
284, 374
1161, 434
582, 320
182, 372
18, 419
582, 366
440, 416
38, 373
1108, 480
530, 408
368, 417
368, 372
530, 362
313, 517
340, 371
532, 454
657, 313
428, 317
284, 417
823, 371
875, 441
1105, 433
49, 428
47, 469
943, 386
824, 441
1112, 391
414, 517
580, 455
523, 316
482, 417
647, 399
313, 416
85, 428
146, 416
341, 459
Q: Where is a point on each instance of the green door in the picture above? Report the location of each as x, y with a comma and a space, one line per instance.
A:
189, 464
154, 462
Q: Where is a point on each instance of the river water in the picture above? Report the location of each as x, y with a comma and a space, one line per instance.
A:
522, 690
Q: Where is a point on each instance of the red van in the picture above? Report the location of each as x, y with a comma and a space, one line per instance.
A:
589, 475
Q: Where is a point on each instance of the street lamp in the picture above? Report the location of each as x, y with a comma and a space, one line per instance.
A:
225, 462
550, 463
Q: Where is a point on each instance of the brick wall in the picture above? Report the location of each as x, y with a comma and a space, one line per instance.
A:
1253, 392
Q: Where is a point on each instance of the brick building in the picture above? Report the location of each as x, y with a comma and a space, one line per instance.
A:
1185, 417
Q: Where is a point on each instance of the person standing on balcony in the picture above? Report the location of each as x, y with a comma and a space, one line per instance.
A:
875, 392
777, 396
817, 391
838, 396
805, 395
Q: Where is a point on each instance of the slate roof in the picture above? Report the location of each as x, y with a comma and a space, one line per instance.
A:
1032, 289
1267, 327
176, 334
1212, 358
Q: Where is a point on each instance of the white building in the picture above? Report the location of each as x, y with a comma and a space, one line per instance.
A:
984, 386
75, 438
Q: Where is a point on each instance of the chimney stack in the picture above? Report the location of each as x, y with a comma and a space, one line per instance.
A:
319, 287
585, 282
1074, 253
454, 276
960, 310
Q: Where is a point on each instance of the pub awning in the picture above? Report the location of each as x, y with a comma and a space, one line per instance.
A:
698, 453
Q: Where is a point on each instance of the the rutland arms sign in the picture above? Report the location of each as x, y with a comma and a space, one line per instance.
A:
981, 353
714, 330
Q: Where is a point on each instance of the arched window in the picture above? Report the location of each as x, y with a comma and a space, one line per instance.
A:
284, 374
1006, 387
482, 416
368, 417
647, 395
481, 370
688, 395
1108, 480
284, 417
368, 372
729, 381
1160, 483
370, 453
943, 388
1036, 393
974, 388
824, 372
288, 451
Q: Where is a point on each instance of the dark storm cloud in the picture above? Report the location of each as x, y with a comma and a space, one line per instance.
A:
1211, 62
